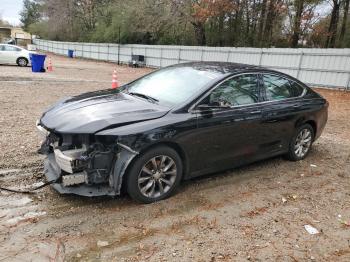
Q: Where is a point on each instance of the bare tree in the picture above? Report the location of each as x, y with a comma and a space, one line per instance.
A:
344, 21
262, 20
333, 25
299, 4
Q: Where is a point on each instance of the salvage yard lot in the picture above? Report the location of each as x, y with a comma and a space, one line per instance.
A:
257, 212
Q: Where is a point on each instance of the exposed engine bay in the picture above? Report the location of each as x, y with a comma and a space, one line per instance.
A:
85, 163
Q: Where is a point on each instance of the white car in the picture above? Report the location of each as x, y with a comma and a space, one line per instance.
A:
11, 54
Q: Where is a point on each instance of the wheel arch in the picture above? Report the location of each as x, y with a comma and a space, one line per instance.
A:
22, 57
311, 122
173, 145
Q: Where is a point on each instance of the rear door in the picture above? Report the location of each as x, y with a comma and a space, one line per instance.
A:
283, 104
228, 133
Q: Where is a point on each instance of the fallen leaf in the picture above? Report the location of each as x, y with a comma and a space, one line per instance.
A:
345, 223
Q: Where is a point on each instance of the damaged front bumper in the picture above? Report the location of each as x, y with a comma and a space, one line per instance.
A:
53, 172
86, 170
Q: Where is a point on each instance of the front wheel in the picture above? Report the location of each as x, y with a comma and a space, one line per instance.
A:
154, 175
301, 143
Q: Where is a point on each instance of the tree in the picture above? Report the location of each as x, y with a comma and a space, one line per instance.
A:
256, 23
344, 21
299, 4
275, 12
333, 25
302, 17
31, 13
262, 20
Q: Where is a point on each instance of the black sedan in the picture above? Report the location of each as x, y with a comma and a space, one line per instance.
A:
177, 123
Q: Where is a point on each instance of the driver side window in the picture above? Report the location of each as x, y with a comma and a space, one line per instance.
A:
240, 90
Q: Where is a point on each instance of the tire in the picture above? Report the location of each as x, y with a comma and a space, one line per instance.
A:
301, 143
22, 62
154, 175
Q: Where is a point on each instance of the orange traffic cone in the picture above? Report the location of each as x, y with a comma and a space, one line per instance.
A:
50, 68
115, 83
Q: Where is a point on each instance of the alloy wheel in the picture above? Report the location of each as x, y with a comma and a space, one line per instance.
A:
157, 176
303, 143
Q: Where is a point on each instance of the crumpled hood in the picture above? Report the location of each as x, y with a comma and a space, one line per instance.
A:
91, 112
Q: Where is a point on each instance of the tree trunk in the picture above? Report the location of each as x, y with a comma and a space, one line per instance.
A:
236, 26
333, 25
247, 23
199, 31
297, 22
254, 20
232, 35
269, 22
262, 21
344, 22
221, 30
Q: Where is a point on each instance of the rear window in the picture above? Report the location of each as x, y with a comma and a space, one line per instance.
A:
277, 87
297, 88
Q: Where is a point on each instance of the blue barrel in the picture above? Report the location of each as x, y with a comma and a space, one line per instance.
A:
70, 53
38, 62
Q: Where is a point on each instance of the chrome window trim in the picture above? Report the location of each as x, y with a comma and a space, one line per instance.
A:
229, 109
193, 110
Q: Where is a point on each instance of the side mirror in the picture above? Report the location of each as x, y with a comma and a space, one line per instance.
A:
206, 110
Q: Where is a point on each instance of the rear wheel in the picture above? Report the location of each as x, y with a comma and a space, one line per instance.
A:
22, 62
154, 175
301, 143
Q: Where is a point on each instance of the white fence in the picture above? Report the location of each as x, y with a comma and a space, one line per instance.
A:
316, 67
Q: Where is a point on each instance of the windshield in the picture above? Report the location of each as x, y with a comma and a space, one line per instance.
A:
172, 85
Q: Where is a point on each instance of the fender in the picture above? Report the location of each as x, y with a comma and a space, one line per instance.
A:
124, 157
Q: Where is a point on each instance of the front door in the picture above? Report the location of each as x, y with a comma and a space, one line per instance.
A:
229, 123
10, 54
2, 54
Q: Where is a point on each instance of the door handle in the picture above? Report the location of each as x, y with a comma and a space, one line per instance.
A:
255, 112
272, 121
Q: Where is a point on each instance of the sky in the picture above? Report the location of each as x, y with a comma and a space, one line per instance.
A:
9, 10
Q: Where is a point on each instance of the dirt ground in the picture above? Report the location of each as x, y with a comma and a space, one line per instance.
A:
255, 213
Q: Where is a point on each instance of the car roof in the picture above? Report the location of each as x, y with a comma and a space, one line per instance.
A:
12, 45
220, 67
227, 68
